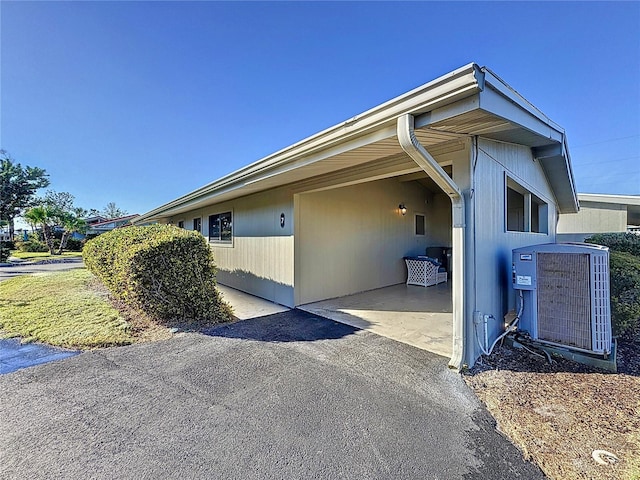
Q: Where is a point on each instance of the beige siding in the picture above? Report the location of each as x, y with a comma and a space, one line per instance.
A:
492, 244
439, 220
353, 238
594, 217
260, 259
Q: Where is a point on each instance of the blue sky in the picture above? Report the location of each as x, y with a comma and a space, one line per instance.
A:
141, 102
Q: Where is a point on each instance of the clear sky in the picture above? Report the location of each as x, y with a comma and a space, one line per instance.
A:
141, 102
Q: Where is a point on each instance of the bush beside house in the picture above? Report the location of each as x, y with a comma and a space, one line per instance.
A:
624, 266
164, 271
4, 251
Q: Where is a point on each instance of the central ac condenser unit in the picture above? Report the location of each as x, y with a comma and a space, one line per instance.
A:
565, 294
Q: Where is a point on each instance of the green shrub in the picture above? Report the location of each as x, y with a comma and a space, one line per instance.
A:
31, 245
4, 251
624, 266
618, 242
624, 273
165, 271
74, 245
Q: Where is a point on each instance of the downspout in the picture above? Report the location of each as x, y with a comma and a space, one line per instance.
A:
413, 148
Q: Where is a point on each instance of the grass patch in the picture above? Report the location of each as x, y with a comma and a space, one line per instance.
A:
43, 255
63, 309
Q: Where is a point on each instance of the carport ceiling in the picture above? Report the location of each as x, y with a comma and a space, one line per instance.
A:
423, 179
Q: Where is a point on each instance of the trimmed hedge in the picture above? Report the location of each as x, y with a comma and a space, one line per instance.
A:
165, 271
618, 242
624, 273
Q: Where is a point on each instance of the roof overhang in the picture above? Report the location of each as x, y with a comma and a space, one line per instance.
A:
630, 202
467, 102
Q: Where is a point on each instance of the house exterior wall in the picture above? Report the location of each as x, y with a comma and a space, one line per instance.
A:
492, 244
352, 239
593, 217
260, 259
438, 220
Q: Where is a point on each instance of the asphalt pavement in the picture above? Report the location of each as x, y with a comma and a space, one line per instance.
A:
289, 396
24, 268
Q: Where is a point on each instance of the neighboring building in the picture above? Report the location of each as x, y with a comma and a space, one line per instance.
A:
99, 227
95, 219
600, 213
478, 168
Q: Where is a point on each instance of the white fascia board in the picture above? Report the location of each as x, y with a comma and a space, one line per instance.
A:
575, 207
494, 101
609, 198
499, 85
449, 88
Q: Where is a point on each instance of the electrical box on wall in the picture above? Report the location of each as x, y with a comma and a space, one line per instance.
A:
565, 291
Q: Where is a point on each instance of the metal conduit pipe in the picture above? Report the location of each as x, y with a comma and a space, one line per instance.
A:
413, 148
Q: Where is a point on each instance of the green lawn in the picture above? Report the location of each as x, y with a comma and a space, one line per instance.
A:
42, 255
61, 308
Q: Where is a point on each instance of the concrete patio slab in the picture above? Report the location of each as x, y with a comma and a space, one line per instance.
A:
410, 314
247, 306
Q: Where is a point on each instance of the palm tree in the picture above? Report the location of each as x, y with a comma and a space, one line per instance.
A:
71, 223
44, 217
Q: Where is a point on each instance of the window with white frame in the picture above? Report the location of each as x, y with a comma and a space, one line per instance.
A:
181, 224
197, 224
221, 227
524, 211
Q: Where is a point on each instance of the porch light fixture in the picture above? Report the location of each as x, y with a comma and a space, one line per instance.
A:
403, 209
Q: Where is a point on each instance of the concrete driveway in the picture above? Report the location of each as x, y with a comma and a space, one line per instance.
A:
289, 396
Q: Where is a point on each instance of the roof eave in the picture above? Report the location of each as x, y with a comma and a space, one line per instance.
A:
556, 163
449, 88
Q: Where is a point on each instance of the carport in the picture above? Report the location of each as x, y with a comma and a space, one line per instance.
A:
322, 218
418, 316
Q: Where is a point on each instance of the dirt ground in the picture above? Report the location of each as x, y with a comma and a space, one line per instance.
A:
558, 414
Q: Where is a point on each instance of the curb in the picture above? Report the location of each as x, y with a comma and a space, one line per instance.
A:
43, 262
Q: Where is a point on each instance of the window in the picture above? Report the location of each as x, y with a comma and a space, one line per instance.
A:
221, 227
420, 224
197, 224
515, 211
525, 212
181, 224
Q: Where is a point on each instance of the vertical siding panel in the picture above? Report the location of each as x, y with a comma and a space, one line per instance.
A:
260, 261
353, 238
494, 293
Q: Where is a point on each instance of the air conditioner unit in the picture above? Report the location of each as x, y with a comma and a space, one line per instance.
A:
565, 297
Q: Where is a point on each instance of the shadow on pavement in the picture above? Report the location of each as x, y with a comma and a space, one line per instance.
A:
15, 355
291, 326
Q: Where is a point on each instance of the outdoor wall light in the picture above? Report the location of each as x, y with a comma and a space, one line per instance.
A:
403, 209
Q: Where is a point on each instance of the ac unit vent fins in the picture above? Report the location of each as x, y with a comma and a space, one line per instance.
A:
564, 299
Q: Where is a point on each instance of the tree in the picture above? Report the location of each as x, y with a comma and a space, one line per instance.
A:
62, 201
44, 217
111, 211
71, 223
56, 210
18, 186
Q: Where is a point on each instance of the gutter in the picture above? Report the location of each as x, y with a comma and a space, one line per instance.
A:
413, 148
449, 88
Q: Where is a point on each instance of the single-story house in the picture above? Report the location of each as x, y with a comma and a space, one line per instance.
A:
463, 162
600, 213
107, 225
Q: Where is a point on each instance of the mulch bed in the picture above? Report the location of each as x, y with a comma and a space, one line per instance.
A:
559, 413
